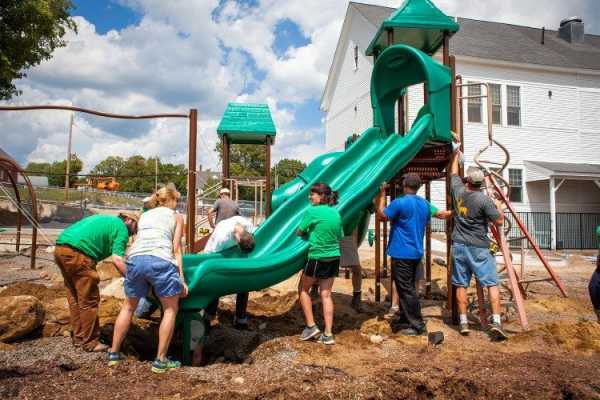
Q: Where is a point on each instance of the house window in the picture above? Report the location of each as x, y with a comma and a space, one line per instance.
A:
474, 104
355, 58
496, 99
513, 105
515, 180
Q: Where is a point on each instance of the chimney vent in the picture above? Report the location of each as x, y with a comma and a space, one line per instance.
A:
572, 30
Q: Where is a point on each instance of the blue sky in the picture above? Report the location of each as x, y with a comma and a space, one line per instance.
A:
147, 56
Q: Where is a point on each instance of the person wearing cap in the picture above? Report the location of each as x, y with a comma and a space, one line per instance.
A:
223, 208
154, 260
409, 215
78, 249
473, 211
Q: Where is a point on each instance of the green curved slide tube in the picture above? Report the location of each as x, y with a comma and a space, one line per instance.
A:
355, 173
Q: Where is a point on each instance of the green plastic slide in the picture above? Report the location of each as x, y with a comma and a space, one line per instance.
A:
355, 173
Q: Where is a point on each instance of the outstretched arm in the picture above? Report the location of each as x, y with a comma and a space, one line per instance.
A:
380, 203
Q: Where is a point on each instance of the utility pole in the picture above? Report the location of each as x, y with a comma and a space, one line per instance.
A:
68, 166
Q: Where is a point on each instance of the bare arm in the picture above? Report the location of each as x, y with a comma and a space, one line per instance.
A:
454, 163
443, 214
500, 208
119, 263
211, 217
380, 203
177, 250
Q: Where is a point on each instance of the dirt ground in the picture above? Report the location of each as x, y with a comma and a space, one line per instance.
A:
558, 358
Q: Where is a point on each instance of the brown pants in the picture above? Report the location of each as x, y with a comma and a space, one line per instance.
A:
83, 295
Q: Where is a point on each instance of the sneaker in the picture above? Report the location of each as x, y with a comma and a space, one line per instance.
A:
496, 332
114, 358
392, 313
310, 332
241, 323
413, 332
100, 348
160, 367
463, 328
324, 339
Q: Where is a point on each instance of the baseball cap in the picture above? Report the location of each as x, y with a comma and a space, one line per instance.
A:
133, 215
224, 191
475, 175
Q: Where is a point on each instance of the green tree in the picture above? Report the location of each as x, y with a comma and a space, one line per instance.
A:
110, 166
38, 169
286, 170
138, 174
30, 30
58, 169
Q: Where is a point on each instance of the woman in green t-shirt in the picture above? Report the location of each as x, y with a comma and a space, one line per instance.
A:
322, 227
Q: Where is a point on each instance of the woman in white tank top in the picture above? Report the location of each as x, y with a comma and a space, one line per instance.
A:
155, 259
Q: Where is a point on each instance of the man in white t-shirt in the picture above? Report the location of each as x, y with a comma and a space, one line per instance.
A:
229, 233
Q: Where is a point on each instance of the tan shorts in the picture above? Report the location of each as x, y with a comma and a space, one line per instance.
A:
349, 252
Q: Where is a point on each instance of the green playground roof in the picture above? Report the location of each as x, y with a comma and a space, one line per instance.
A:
247, 123
417, 23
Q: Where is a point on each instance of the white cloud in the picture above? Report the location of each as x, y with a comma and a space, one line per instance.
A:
178, 57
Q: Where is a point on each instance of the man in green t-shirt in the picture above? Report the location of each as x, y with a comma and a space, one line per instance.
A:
594, 286
78, 249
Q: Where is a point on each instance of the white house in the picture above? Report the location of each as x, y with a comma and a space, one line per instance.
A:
546, 110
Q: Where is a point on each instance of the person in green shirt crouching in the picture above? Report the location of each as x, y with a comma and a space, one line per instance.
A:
78, 249
321, 225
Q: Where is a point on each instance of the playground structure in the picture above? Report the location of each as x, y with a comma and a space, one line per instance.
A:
192, 116
403, 50
13, 169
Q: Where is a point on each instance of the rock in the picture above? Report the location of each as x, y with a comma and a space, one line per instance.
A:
114, 289
239, 380
374, 326
66, 333
107, 271
51, 329
376, 339
58, 311
19, 316
439, 261
44, 275
7, 347
262, 326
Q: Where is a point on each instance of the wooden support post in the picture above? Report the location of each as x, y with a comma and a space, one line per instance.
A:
268, 178
225, 158
377, 260
191, 195
428, 247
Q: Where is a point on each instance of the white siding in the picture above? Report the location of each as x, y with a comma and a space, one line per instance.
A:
352, 88
561, 127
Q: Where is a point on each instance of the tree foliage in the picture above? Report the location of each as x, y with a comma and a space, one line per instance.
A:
56, 171
287, 169
137, 174
30, 30
248, 161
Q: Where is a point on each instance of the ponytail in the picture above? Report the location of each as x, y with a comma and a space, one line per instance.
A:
163, 195
328, 196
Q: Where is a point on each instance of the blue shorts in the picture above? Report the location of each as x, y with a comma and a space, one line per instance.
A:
146, 271
470, 260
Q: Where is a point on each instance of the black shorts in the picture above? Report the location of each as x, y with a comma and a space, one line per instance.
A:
322, 269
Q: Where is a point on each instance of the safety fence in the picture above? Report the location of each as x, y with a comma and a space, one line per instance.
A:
575, 231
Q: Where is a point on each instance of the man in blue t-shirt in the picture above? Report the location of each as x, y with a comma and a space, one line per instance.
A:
409, 215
